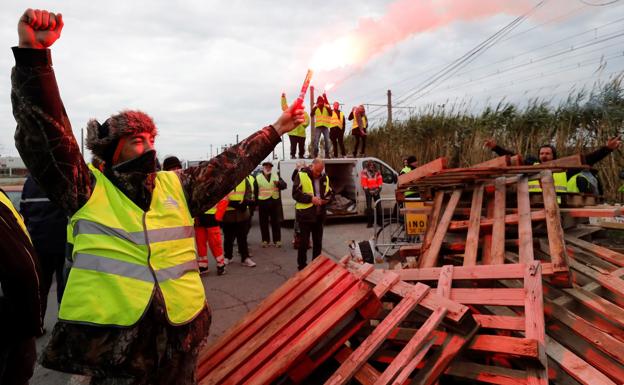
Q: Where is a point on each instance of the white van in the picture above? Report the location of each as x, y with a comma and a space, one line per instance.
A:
344, 179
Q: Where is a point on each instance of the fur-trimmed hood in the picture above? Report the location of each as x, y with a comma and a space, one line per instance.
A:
103, 138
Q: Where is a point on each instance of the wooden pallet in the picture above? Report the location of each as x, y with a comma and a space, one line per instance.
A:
414, 301
478, 287
325, 299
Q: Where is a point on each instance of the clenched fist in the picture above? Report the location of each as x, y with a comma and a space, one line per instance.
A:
39, 28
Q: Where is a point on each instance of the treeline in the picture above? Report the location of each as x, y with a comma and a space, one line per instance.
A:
583, 122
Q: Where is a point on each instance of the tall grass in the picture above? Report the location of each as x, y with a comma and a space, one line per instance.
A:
579, 124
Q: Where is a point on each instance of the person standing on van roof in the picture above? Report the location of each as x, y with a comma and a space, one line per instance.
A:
22, 297
311, 192
358, 128
371, 182
47, 226
267, 195
322, 121
134, 308
298, 135
336, 132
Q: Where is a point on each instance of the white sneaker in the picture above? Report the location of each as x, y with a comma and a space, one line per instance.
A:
248, 262
226, 261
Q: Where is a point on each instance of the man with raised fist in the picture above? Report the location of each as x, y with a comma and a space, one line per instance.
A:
134, 309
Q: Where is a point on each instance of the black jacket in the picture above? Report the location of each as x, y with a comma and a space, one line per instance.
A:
21, 306
314, 213
45, 220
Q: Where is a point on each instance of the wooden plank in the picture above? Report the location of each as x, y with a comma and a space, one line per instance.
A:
498, 228
348, 368
575, 366
586, 351
610, 212
404, 363
598, 304
430, 255
486, 247
366, 375
557, 253
432, 220
413, 364
486, 373
479, 272
321, 271
525, 232
585, 329
608, 255
500, 322
422, 171
501, 161
389, 279
500, 297
534, 317
472, 239
445, 282
608, 281
510, 219
437, 364
458, 314
567, 161
294, 347
283, 326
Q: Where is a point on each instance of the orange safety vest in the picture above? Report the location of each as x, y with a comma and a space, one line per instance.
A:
369, 182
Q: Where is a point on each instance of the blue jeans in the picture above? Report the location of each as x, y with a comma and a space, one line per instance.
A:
317, 137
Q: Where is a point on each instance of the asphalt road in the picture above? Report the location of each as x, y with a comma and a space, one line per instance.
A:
241, 289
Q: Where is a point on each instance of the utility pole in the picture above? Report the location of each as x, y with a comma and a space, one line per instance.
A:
82, 141
389, 122
210, 152
236, 138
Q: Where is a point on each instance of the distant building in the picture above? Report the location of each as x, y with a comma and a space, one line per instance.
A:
12, 166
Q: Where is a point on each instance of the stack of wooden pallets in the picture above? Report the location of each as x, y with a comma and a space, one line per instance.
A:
484, 227
505, 288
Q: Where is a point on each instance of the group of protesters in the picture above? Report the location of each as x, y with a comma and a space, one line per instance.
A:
132, 307
329, 122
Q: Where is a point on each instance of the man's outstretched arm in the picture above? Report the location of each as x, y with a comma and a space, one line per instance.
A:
43, 135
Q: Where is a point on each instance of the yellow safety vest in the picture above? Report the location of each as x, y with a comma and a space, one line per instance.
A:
337, 119
20, 221
300, 130
591, 179
307, 188
355, 122
322, 117
560, 180
122, 254
267, 189
238, 194
406, 169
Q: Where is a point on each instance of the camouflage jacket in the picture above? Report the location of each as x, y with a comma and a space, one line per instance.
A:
49, 149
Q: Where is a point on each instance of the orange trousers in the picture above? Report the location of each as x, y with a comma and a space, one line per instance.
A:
212, 237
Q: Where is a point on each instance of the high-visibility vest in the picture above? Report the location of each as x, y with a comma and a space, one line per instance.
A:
560, 180
355, 122
308, 188
300, 130
405, 170
267, 188
370, 182
121, 253
587, 175
238, 194
337, 119
322, 117
20, 221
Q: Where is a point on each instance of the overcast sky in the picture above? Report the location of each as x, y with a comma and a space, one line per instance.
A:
209, 70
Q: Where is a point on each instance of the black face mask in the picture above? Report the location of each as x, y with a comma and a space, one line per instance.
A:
143, 164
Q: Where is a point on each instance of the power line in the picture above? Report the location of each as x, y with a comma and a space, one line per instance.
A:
598, 5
